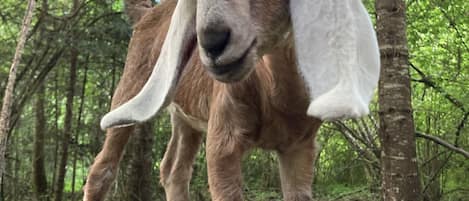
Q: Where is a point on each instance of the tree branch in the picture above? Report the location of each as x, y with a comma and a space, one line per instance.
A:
443, 143
428, 81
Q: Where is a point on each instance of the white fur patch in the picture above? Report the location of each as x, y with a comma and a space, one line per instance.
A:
157, 92
338, 56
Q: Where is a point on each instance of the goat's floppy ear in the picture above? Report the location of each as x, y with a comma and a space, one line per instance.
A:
337, 54
159, 89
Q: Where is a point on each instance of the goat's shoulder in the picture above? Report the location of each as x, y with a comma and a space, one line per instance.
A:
144, 48
160, 13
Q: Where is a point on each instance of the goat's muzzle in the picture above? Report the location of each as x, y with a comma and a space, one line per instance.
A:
227, 55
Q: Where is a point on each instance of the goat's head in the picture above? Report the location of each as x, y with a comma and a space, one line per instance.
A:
335, 45
233, 34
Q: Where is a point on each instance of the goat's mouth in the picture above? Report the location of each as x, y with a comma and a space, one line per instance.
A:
235, 70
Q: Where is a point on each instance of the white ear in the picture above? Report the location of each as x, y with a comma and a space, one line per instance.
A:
159, 89
337, 54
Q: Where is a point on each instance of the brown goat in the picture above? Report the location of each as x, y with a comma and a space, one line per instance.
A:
242, 86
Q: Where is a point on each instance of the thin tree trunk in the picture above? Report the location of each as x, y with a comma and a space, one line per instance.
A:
56, 127
67, 126
400, 178
62, 170
16, 168
77, 134
2, 191
39, 172
139, 184
8, 98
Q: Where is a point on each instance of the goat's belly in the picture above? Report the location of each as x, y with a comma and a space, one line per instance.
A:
196, 123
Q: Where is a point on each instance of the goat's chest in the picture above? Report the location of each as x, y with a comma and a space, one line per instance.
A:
282, 130
267, 110
271, 128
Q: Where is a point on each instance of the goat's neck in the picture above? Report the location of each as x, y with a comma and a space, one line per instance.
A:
282, 81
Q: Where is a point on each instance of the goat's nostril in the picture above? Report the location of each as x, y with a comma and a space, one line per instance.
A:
214, 40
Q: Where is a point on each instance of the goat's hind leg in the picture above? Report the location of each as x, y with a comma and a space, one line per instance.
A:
104, 169
296, 171
176, 167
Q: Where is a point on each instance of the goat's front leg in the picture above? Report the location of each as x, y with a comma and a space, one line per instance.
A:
176, 167
232, 125
224, 155
296, 171
104, 169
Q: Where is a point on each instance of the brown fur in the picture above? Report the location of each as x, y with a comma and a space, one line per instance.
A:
267, 110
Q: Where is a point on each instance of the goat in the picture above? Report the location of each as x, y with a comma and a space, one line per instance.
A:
249, 73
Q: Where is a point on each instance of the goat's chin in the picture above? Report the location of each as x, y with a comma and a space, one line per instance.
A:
232, 72
233, 77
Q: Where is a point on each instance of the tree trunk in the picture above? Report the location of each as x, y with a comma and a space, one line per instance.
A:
39, 172
8, 98
57, 131
77, 133
67, 126
139, 183
400, 179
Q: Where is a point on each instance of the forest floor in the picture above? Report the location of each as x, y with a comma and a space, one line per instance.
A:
359, 194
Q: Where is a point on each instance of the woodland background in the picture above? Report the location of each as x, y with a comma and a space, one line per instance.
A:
75, 53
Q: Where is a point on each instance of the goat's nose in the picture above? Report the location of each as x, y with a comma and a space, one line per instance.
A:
214, 40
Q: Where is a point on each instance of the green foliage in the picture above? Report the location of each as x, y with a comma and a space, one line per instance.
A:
437, 41
438, 35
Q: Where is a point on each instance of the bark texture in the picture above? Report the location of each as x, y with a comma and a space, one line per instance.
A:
8, 98
400, 178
